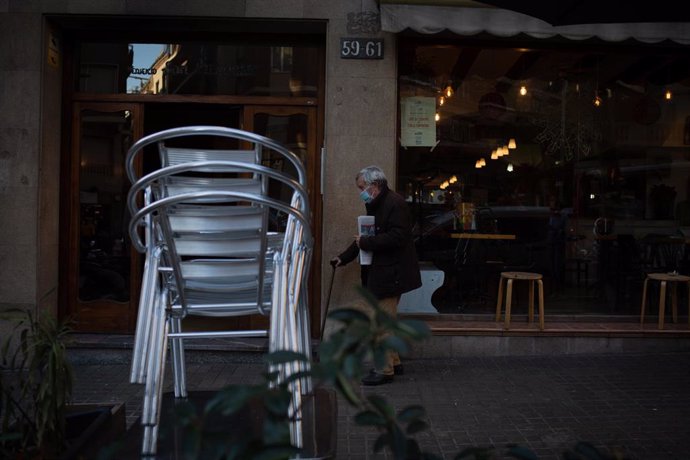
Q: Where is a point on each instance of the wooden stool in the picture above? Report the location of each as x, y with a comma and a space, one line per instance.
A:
531, 277
664, 278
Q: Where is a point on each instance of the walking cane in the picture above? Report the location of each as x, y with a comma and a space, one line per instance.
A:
328, 301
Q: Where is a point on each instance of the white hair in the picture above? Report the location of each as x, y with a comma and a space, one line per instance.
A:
372, 175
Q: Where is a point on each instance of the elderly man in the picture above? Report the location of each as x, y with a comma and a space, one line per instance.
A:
394, 269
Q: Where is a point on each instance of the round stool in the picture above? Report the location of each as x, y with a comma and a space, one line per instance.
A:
665, 278
518, 276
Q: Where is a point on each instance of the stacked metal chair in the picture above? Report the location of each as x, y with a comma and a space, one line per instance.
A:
213, 249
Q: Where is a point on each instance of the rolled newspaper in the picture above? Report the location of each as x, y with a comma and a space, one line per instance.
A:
366, 227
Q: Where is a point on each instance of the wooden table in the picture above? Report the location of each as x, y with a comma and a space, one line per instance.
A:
477, 236
478, 265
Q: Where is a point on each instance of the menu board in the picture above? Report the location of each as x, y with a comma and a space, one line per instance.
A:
418, 122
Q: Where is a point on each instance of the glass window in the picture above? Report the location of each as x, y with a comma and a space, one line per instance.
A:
575, 161
198, 68
104, 248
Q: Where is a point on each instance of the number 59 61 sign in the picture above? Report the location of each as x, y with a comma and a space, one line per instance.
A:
361, 48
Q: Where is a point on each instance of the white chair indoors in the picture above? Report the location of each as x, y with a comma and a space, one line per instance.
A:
213, 248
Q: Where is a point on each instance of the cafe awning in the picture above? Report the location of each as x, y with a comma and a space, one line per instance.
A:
465, 17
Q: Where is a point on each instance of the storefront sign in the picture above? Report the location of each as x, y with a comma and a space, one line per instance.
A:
418, 123
361, 48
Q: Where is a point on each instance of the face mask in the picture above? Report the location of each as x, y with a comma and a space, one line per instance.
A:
365, 196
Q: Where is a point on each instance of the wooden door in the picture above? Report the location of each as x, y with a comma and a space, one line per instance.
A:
100, 262
296, 128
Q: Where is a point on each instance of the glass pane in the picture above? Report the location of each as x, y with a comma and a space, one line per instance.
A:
289, 130
199, 68
104, 247
580, 155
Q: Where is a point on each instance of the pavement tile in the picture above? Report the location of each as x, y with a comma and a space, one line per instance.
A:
636, 403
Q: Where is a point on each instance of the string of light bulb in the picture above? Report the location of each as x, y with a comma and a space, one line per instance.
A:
446, 93
498, 152
598, 98
453, 179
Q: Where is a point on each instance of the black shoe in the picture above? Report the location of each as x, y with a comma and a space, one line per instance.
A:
397, 370
374, 378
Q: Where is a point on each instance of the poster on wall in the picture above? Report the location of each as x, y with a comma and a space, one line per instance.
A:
418, 123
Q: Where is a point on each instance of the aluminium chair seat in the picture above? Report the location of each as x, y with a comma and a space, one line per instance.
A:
171, 156
180, 185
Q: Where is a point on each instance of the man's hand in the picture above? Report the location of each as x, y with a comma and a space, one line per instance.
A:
336, 262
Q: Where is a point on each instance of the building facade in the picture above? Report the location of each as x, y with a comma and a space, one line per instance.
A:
585, 174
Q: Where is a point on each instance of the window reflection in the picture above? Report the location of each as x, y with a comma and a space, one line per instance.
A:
199, 68
595, 137
104, 248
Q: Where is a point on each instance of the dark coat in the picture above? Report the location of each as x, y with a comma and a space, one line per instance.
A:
394, 269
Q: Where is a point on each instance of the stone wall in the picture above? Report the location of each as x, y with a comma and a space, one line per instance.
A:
360, 127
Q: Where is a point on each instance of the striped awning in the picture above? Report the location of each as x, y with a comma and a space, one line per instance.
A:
464, 17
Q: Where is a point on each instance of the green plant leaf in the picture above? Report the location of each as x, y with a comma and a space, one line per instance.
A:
399, 444
345, 388
416, 426
231, 399
379, 357
381, 405
285, 356
396, 343
276, 432
352, 366
277, 401
410, 413
414, 328
348, 315
370, 417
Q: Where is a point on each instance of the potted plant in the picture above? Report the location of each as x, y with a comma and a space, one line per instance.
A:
37, 420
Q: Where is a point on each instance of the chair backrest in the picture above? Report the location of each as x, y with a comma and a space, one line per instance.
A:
171, 182
223, 267
170, 156
211, 211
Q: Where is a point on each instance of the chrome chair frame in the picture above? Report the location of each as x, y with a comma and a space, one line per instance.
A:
169, 216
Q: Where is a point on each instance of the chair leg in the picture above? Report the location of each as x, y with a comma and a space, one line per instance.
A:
540, 283
150, 439
644, 301
275, 325
662, 304
153, 390
509, 299
178, 363
306, 343
279, 314
674, 301
148, 301
499, 300
688, 302
530, 305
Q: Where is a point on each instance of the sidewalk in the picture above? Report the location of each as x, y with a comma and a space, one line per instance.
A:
637, 404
